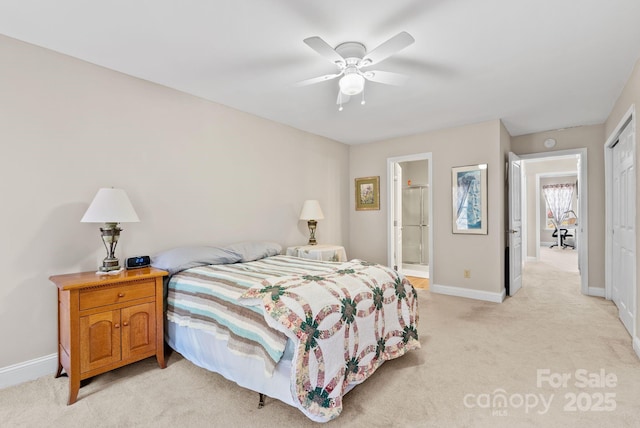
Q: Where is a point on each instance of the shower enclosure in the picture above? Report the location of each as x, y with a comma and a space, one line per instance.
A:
415, 230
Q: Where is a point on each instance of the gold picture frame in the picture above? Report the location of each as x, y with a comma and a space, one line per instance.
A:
367, 193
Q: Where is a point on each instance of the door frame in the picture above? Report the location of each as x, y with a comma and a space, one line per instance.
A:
628, 118
391, 201
515, 225
583, 202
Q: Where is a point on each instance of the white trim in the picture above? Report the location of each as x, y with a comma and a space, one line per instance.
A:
531, 259
28, 370
608, 192
596, 291
583, 201
524, 185
390, 207
468, 293
630, 119
636, 346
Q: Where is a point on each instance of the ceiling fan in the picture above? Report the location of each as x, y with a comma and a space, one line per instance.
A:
351, 58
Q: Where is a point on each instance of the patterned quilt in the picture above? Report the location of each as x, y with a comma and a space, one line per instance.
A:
348, 322
208, 298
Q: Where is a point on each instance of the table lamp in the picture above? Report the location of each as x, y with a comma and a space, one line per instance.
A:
311, 212
110, 206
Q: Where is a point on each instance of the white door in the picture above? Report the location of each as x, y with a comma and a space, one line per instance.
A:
515, 224
397, 216
623, 216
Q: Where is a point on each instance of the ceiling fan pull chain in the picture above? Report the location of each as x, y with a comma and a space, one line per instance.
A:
363, 101
340, 101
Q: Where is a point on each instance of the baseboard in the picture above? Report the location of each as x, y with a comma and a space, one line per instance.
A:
596, 291
28, 370
636, 346
468, 293
532, 259
548, 244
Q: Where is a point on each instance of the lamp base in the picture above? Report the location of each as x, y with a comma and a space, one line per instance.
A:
312, 232
109, 264
110, 235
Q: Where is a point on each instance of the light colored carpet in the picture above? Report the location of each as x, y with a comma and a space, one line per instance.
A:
565, 260
471, 351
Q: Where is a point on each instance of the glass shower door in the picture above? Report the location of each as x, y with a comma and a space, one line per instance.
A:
414, 224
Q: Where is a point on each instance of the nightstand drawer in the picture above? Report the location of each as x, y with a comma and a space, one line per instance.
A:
94, 298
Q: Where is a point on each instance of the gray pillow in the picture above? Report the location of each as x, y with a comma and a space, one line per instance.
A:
255, 250
181, 258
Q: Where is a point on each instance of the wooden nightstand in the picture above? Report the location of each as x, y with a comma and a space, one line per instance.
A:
331, 253
108, 321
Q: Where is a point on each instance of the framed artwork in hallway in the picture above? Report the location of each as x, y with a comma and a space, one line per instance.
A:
469, 196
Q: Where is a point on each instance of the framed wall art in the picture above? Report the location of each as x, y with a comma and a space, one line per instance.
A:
469, 187
368, 193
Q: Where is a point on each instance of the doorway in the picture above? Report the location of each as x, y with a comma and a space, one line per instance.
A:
537, 234
410, 249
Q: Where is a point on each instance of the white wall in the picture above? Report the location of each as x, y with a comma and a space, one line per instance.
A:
196, 172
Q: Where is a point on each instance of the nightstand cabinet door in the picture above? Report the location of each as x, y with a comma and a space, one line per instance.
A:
138, 330
99, 340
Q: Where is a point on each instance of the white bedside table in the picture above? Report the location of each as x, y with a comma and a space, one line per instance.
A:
329, 253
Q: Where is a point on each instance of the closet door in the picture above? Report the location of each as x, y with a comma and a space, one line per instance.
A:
623, 204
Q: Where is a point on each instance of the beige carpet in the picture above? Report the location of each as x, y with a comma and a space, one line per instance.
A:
472, 352
563, 259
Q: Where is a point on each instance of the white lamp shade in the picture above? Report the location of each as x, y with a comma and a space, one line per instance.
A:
110, 206
311, 210
351, 84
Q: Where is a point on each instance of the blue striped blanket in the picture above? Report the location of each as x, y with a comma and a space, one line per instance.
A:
208, 298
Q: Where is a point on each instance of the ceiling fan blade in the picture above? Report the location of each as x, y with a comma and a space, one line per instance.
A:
323, 48
386, 77
342, 98
317, 79
388, 48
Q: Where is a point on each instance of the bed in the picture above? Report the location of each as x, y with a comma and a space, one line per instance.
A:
301, 331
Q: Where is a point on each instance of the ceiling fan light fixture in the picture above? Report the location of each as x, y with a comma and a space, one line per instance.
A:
351, 84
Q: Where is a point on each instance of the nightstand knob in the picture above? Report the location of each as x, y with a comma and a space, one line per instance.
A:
117, 325
125, 323
120, 294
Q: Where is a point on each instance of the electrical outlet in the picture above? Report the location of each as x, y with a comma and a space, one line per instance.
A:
467, 273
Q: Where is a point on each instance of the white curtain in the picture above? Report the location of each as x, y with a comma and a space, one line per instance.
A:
558, 197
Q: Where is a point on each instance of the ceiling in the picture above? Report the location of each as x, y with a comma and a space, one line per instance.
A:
537, 65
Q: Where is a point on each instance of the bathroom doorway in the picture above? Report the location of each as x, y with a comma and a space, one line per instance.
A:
410, 240
415, 218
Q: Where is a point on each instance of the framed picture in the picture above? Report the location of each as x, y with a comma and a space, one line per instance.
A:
367, 193
469, 186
